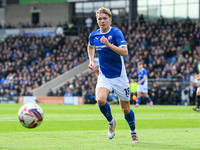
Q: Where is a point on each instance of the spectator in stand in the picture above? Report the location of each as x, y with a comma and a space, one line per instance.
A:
68, 92
172, 99
60, 92
141, 19
88, 22
50, 93
88, 97
191, 94
154, 93
161, 20
177, 91
74, 21
137, 19
165, 98
2, 93
78, 90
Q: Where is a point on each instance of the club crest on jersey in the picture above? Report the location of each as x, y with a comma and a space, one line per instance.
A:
109, 37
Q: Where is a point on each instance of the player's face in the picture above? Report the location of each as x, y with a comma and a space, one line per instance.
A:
104, 22
140, 66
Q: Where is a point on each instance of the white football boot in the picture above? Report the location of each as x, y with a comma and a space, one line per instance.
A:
111, 128
134, 137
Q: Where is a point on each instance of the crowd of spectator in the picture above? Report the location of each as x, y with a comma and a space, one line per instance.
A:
23, 25
170, 50
26, 62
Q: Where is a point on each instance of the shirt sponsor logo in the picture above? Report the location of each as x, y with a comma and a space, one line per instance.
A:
100, 47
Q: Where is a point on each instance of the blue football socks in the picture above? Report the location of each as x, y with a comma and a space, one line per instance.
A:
130, 118
149, 99
138, 100
106, 111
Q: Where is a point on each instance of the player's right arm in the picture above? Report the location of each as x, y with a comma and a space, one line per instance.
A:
91, 51
143, 79
144, 76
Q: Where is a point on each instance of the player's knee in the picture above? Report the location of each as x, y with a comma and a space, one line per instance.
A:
126, 110
101, 102
139, 94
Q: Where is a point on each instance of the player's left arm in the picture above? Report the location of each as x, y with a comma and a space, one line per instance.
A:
121, 50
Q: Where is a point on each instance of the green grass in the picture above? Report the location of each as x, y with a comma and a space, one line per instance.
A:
70, 127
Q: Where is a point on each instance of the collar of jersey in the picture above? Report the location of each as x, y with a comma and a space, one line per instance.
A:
106, 32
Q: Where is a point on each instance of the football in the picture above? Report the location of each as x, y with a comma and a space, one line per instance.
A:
30, 115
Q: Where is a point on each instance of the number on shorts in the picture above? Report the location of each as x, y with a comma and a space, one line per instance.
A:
127, 91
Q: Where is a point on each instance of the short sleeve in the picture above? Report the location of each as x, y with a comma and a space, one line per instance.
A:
91, 43
145, 73
120, 38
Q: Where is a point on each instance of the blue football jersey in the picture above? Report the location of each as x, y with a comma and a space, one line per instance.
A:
141, 74
111, 64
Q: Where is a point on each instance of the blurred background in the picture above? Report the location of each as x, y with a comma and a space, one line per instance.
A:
43, 48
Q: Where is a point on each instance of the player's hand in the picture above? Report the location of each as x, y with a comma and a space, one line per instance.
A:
92, 67
104, 40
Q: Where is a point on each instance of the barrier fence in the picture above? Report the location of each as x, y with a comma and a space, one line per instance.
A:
74, 100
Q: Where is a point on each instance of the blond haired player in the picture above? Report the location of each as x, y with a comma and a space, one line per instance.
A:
111, 47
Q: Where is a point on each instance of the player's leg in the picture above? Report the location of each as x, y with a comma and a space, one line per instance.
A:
139, 96
198, 100
122, 90
101, 97
146, 95
198, 97
130, 118
103, 88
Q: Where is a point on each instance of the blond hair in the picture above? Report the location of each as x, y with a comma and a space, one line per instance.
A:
105, 11
140, 63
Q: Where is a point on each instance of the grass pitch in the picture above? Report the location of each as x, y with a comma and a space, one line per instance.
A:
83, 127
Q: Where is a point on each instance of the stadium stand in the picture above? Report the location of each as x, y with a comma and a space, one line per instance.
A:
169, 50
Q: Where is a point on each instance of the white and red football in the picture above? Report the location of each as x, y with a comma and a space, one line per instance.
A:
30, 115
